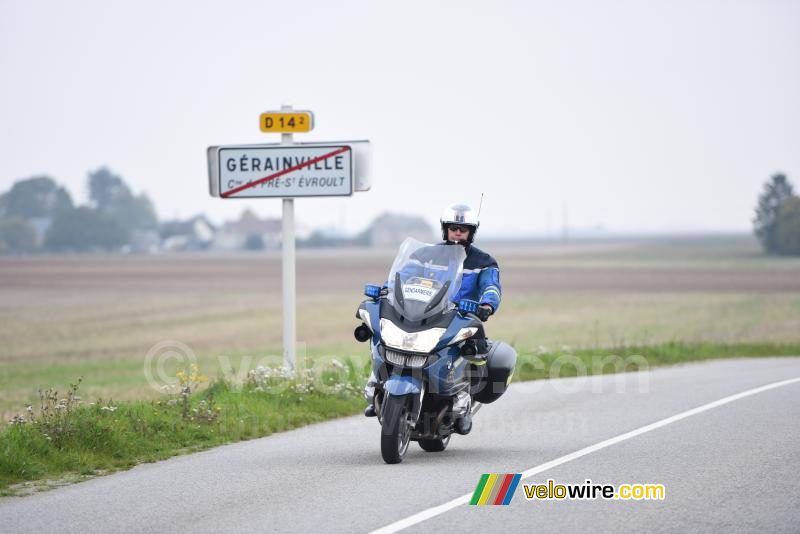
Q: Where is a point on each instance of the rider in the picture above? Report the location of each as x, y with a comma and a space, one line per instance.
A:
480, 280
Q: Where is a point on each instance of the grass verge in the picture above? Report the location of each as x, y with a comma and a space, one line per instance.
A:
66, 439
573, 362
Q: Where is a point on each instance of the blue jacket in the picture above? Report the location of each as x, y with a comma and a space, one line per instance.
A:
481, 279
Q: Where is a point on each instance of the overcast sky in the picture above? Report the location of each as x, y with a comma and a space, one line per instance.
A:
634, 116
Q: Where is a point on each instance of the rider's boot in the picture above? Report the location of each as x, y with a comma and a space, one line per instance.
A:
369, 395
462, 408
464, 425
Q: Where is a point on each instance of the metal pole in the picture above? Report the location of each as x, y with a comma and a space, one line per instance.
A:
289, 289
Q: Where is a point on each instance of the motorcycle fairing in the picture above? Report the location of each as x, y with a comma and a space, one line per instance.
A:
399, 385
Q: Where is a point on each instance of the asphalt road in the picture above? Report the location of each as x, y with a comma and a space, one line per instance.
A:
733, 467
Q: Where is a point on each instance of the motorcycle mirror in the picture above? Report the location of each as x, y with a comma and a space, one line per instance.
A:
362, 333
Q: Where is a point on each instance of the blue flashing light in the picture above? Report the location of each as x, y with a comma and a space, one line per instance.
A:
371, 291
467, 306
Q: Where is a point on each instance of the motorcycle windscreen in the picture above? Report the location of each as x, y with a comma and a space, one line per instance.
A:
425, 278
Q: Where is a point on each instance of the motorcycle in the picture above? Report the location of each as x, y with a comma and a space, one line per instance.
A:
427, 380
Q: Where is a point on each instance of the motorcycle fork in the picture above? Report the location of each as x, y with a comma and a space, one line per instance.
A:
416, 404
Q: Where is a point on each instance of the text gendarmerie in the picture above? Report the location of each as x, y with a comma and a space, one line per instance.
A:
252, 164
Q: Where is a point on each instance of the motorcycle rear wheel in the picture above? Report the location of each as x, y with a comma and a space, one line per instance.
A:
395, 429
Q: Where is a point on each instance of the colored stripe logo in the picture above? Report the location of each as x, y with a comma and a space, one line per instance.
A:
495, 489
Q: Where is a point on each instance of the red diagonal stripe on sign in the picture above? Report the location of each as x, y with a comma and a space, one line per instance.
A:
284, 171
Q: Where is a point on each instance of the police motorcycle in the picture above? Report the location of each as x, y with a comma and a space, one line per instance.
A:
427, 380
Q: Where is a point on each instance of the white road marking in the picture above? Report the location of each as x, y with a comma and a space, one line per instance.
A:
464, 499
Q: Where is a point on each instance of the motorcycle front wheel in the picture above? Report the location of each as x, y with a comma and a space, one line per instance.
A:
395, 429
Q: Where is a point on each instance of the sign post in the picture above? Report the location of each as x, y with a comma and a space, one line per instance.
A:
289, 270
286, 170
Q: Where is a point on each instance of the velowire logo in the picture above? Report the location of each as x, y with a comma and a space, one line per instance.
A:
495, 489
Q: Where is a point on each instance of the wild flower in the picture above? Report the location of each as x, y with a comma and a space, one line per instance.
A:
310, 380
304, 388
188, 383
17, 420
56, 414
109, 408
336, 364
193, 378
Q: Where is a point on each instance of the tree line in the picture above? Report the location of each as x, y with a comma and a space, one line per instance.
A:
37, 214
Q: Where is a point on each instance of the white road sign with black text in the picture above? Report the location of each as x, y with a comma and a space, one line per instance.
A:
283, 171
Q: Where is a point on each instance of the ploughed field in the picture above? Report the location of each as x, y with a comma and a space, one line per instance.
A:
97, 316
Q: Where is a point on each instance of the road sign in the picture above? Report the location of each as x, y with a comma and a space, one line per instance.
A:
286, 122
287, 171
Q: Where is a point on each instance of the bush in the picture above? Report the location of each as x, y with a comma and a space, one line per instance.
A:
85, 230
16, 235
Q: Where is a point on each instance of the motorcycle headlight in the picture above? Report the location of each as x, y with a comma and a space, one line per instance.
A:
397, 338
464, 333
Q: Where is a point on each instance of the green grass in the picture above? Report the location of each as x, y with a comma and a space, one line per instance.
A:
98, 440
635, 358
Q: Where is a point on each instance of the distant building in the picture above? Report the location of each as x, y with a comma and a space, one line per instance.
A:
40, 226
389, 230
196, 233
248, 233
144, 241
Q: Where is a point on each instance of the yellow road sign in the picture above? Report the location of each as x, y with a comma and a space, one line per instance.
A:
287, 121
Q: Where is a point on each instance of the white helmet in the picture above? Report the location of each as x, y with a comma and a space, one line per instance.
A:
459, 214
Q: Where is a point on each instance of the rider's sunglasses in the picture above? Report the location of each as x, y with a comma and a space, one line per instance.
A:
459, 228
